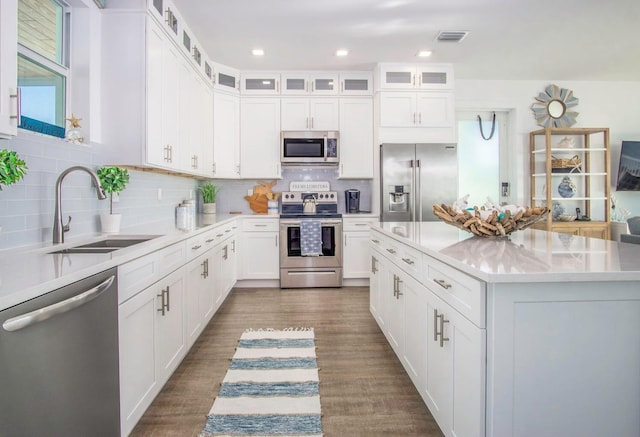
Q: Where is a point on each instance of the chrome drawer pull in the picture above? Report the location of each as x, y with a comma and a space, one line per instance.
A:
408, 261
444, 284
209, 240
391, 251
375, 241
196, 247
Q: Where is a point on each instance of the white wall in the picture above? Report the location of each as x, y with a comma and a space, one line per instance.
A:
615, 105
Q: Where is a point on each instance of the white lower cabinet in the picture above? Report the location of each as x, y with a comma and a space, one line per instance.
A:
443, 352
168, 298
152, 344
260, 249
355, 247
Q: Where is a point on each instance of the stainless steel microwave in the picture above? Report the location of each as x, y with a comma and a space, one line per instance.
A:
309, 147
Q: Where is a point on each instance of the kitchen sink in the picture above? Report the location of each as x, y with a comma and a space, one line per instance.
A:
106, 245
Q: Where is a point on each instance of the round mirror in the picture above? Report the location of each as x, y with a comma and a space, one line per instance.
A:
552, 107
555, 108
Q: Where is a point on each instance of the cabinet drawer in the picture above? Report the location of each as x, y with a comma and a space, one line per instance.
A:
410, 260
463, 292
357, 224
138, 274
199, 244
260, 225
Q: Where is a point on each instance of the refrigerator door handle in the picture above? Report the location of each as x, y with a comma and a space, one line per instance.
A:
418, 189
413, 197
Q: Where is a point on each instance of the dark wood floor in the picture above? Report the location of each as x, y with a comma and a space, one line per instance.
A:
364, 390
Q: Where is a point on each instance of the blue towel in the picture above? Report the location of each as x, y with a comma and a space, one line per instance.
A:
310, 238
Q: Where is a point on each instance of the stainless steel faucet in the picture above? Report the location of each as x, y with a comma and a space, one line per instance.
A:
58, 227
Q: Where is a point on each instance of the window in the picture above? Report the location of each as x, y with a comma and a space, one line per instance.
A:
43, 65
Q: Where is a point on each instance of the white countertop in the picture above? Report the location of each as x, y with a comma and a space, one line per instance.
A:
526, 256
30, 272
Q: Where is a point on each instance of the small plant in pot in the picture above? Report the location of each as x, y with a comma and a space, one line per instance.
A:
209, 192
12, 168
113, 181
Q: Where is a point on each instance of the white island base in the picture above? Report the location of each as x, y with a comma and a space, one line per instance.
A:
536, 335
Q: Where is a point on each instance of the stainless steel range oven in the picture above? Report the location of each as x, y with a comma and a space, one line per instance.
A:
323, 268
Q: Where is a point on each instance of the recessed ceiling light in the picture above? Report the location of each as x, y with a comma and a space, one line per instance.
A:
342, 52
424, 53
257, 52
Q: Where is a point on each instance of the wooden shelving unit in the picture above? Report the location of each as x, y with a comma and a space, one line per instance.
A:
592, 181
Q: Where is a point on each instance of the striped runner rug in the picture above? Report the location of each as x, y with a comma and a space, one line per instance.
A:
271, 387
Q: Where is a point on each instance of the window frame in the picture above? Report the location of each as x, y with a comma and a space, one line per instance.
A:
63, 69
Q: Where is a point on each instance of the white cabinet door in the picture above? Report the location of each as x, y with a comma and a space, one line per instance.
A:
170, 323
357, 263
260, 138
310, 114
414, 355
226, 135
394, 76
374, 285
260, 255
206, 127
226, 78
199, 295
394, 305
455, 371
435, 109
415, 76
139, 380
398, 109
295, 114
356, 138
324, 114
8, 68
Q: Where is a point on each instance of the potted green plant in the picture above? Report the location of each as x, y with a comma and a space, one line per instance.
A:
12, 168
113, 180
209, 192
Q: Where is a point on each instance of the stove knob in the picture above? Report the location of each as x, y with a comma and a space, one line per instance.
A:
332, 195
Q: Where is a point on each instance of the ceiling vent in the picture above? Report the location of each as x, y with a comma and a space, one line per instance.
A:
451, 35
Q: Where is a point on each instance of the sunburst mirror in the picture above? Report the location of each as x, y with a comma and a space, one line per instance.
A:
552, 107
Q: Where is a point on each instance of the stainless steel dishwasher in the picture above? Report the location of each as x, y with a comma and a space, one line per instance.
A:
59, 362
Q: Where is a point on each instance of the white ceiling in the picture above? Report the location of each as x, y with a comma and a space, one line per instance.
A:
508, 39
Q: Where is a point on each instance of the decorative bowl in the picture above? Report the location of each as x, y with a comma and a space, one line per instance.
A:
490, 223
566, 217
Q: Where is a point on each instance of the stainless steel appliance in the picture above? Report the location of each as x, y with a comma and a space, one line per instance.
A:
309, 147
296, 269
59, 362
352, 201
413, 177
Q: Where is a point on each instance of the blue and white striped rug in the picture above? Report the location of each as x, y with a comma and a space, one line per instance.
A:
271, 387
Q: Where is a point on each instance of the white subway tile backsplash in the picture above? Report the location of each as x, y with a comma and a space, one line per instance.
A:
26, 208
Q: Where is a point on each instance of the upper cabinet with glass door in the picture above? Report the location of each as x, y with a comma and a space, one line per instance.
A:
414, 77
264, 83
309, 83
356, 83
226, 78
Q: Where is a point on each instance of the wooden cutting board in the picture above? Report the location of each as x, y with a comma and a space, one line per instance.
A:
262, 193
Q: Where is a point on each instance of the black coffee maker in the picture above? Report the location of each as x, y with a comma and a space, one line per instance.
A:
352, 201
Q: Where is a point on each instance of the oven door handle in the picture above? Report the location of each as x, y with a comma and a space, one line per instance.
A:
323, 222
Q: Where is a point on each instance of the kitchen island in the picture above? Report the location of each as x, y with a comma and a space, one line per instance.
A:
534, 335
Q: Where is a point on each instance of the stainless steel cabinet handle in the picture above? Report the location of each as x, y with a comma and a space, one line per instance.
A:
442, 337
233, 246
205, 268
395, 285
196, 247
414, 118
419, 117
164, 300
375, 241
398, 292
374, 270
33, 317
226, 252
444, 284
18, 97
210, 240
408, 261
345, 240
435, 325
391, 251
219, 235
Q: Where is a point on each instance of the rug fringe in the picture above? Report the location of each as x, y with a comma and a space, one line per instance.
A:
290, 329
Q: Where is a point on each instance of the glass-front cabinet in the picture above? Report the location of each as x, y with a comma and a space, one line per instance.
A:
226, 78
356, 84
310, 83
415, 76
260, 83
570, 176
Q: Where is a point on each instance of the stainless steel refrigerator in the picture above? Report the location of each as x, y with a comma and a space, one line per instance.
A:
413, 177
